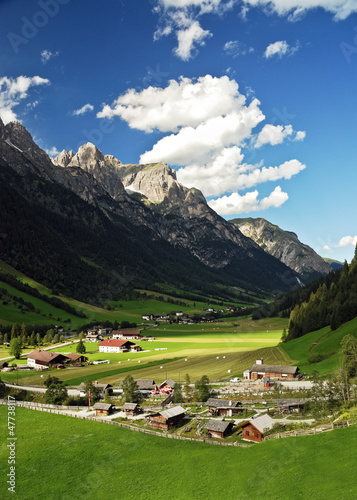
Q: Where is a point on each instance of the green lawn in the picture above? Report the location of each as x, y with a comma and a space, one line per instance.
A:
62, 458
327, 344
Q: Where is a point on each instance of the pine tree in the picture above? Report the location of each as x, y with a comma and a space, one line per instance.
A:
81, 348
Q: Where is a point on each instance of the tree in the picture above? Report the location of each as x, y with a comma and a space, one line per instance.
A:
94, 391
177, 397
349, 354
56, 393
50, 380
187, 388
33, 339
38, 339
15, 348
284, 336
81, 348
202, 389
6, 338
130, 390
81, 335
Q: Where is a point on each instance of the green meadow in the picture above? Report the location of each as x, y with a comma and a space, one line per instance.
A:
112, 463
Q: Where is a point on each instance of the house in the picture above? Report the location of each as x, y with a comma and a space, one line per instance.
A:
291, 405
167, 386
102, 388
113, 345
105, 331
147, 317
145, 385
103, 408
176, 313
126, 334
131, 409
259, 370
166, 419
223, 407
42, 360
254, 429
218, 428
77, 358
93, 337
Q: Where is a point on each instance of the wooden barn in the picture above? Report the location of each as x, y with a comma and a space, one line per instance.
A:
166, 419
41, 360
131, 409
103, 408
259, 370
167, 386
291, 405
218, 428
254, 429
77, 358
222, 407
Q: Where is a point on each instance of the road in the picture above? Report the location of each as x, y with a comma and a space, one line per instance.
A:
44, 349
71, 392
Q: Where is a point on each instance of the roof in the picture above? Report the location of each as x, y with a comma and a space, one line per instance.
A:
74, 356
263, 423
291, 402
169, 382
172, 412
45, 356
115, 343
130, 406
82, 386
221, 403
289, 370
126, 333
145, 384
102, 406
217, 425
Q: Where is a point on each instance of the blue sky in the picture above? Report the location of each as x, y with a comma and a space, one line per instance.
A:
252, 101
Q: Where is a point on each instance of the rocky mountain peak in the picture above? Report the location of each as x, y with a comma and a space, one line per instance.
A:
2, 129
63, 159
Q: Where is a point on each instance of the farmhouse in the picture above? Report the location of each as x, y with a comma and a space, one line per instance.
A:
223, 407
167, 386
127, 335
147, 317
93, 336
131, 409
291, 405
41, 360
259, 370
254, 429
166, 419
101, 388
112, 345
145, 385
218, 428
103, 408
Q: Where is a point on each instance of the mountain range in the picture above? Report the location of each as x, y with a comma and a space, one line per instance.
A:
87, 225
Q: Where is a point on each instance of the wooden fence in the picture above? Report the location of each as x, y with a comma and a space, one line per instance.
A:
310, 432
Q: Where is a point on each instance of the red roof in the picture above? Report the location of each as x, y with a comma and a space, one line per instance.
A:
114, 342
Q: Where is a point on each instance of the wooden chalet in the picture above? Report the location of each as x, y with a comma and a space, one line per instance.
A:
77, 358
218, 428
114, 345
259, 370
103, 408
131, 409
102, 388
254, 429
42, 360
145, 385
291, 405
126, 334
167, 386
166, 419
222, 407
93, 336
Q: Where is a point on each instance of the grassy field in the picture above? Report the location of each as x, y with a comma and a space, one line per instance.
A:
324, 342
194, 349
62, 458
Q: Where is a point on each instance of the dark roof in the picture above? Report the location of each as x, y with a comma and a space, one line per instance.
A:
127, 333
214, 424
222, 403
172, 412
289, 370
102, 406
291, 402
145, 384
130, 406
46, 356
74, 356
103, 387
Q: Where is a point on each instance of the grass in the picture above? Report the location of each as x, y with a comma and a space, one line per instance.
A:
327, 343
50, 448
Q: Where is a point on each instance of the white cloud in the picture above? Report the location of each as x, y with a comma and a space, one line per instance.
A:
280, 49
14, 90
326, 248
189, 39
46, 55
84, 109
234, 48
52, 152
348, 241
276, 134
300, 135
237, 204
295, 8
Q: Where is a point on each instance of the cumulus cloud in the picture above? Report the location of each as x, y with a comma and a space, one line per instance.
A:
52, 152
84, 109
208, 124
46, 55
189, 38
13, 91
280, 49
237, 204
234, 48
348, 241
341, 9
276, 134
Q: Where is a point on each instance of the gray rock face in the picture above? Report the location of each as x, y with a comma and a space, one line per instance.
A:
283, 245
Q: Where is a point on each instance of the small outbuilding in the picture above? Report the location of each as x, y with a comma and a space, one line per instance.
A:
131, 409
291, 405
77, 358
166, 419
103, 408
223, 407
254, 429
218, 428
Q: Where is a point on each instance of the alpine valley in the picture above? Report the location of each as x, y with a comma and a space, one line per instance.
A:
90, 227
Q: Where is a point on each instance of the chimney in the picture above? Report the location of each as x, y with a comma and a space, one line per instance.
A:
259, 361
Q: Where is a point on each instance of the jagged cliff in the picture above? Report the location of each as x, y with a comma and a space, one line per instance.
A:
285, 246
